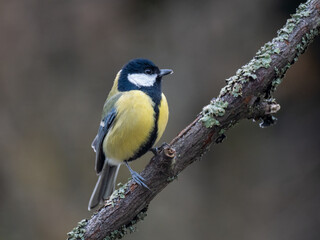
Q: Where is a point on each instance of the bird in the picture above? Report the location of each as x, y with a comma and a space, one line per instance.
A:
134, 117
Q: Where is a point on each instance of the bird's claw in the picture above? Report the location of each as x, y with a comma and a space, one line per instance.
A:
136, 176
139, 179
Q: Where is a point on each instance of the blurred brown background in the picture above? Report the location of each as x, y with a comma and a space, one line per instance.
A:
57, 63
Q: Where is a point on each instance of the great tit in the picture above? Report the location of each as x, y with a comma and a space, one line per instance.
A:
134, 117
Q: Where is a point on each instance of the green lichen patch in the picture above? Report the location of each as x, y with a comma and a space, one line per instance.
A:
284, 32
225, 90
261, 60
237, 89
306, 40
247, 72
128, 228
119, 193
210, 121
301, 47
275, 83
170, 179
78, 232
216, 108
276, 50
222, 131
302, 11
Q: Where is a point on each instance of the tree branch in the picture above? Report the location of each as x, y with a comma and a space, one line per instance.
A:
246, 95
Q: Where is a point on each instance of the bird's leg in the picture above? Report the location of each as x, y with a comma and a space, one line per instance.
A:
136, 176
157, 150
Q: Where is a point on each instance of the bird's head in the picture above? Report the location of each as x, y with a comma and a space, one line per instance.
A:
140, 74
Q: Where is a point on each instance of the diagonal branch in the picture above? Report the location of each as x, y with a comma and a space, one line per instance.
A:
246, 95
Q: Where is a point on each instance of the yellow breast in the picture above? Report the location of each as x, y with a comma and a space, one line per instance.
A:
132, 126
163, 116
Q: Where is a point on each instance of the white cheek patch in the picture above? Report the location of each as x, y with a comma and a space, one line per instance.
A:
142, 80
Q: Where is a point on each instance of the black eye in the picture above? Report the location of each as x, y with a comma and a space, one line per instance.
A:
148, 71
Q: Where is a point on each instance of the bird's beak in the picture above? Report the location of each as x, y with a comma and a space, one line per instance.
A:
164, 72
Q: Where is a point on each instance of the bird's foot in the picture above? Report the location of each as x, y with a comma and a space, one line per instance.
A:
139, 179
157, 150
136, 176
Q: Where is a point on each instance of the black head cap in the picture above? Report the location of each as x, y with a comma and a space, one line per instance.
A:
140, 65
141, 74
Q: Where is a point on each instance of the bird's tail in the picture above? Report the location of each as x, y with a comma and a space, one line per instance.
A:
105, 185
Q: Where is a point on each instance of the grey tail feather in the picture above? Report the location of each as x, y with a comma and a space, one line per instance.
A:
105, 185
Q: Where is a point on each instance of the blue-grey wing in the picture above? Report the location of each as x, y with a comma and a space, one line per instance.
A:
97, 143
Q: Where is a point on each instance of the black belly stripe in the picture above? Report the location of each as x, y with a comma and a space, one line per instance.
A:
152, 138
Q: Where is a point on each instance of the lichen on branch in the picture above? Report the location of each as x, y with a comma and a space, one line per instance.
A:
264, 60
